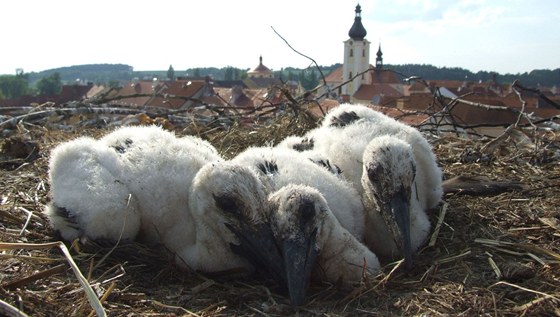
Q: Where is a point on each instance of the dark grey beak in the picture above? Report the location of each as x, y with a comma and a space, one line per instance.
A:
299, 259
258, 246
400, 226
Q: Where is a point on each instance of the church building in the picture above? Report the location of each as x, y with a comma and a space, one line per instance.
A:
357, 80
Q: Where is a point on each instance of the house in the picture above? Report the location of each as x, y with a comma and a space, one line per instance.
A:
135, 93
179, 94
261, 77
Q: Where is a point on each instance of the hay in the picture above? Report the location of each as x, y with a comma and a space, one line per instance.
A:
494, 255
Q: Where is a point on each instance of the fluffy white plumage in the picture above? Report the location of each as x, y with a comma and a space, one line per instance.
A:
289, 167
139, 183
353, 136
288, 175
341, 256
392, 165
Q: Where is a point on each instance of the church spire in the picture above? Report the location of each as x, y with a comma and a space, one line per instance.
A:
379, 59
357, 31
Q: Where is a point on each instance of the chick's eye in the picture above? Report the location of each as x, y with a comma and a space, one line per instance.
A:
226, 203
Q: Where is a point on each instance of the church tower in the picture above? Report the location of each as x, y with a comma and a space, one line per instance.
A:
379, 59
356, 56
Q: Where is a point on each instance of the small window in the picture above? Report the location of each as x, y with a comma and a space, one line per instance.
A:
350, 75
351, 52
364, 53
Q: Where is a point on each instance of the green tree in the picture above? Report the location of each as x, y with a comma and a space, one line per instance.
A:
171, 73
14, 86
196, 72
228, 74
113, 83
50, 85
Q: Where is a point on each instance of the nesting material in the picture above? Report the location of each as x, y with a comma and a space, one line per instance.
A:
494, 254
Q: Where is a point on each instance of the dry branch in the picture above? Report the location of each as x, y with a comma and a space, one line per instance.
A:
91, 295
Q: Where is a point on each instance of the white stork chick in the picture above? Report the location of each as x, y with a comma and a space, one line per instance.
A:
88, 198
135, 183
344, 137
143, 183
95, 184
390, 197
307, 233
313, 208
280, 167
344, 144
228, 204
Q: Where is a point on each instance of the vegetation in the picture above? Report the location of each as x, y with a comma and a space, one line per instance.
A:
95, 73
539, 77
50, 85
14, 86
233, 73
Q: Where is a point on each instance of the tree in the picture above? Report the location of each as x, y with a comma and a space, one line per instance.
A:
50, 85
14, 86
171, 73
228, 75
113, 83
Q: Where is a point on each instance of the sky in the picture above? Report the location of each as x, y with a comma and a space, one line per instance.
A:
505, 36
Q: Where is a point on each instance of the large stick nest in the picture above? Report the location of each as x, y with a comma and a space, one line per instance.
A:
495, 254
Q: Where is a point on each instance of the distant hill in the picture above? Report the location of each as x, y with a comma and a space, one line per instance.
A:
543, 77
104, 73
96, 73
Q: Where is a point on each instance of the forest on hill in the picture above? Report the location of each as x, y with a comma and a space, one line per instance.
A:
104, 73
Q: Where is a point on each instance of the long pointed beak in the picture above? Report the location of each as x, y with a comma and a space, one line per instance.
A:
299, 259
400, 209
258, 246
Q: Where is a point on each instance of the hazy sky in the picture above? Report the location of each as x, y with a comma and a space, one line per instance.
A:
507, 36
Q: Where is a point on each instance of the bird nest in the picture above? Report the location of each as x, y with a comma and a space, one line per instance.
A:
492, 254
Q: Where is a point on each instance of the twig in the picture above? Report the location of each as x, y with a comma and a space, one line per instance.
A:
518, 85
105, 296
309, 58
494, 266
435, 234
90, 293
161, 305
526, 289
120, 234
525, 247
29, 215
37, 276
10, 311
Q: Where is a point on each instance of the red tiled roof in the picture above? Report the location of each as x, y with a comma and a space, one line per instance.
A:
261, 69
367, 92
179, 88
416, 87
405, 116
326, 105
334, 76
383, 76
139, 88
